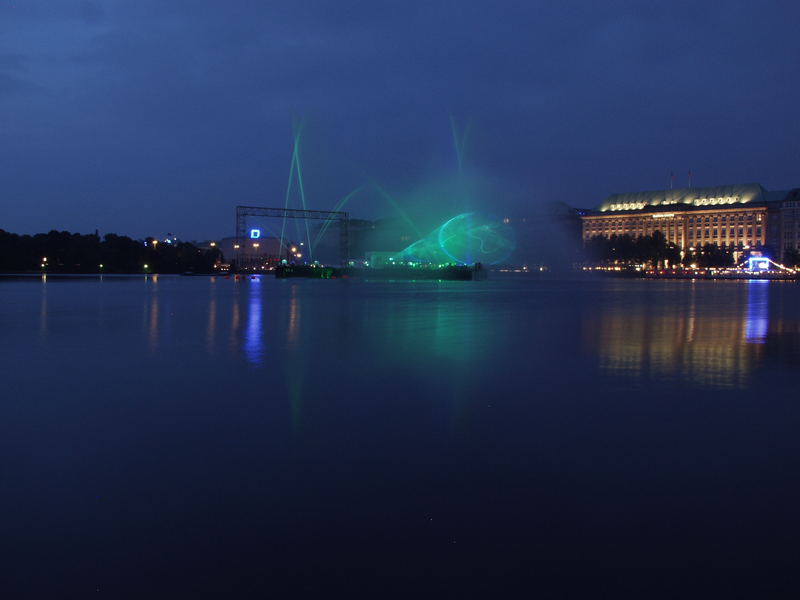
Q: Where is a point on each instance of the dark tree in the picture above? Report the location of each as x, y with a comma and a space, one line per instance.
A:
791, 257
711, 255
626, 250
76, 253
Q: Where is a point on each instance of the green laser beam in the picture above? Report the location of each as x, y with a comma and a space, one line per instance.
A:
396, 206
302, 192
286, 202
327, 223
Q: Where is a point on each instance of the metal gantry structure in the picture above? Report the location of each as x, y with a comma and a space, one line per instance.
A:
343, 219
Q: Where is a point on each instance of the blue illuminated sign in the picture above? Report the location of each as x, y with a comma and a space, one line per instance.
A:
758, 263
255, 234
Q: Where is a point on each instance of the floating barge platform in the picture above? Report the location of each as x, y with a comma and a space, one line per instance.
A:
397, 273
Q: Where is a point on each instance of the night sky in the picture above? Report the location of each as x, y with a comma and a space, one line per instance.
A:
147, 116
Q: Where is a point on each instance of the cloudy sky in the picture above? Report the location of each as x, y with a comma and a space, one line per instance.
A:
148, 116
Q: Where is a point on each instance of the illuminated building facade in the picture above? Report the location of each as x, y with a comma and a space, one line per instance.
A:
738, 217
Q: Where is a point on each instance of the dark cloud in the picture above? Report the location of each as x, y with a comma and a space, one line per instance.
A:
143, 116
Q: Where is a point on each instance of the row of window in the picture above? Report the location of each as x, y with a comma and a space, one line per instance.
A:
676, 230
728, 243
740, 244
707, 233
724, 219
691, 221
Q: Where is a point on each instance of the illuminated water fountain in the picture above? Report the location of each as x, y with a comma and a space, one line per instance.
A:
465, 239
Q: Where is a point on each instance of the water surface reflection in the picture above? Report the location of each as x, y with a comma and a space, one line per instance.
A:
254, 334
151, 310
710, 336
284, 425
757, 321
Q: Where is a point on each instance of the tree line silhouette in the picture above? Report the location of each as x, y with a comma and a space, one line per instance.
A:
85, 253
653, 250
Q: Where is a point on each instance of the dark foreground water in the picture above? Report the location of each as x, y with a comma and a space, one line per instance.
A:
169, 437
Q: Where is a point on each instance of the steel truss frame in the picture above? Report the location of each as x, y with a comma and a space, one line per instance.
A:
243, 212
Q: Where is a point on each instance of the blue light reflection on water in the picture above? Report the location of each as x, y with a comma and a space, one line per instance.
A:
254, 334
757, 320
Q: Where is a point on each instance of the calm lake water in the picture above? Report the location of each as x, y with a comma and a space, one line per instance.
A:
178, 435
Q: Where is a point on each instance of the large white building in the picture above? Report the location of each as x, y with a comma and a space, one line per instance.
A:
739, 217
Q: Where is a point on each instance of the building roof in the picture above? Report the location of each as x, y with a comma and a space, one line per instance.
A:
683, 198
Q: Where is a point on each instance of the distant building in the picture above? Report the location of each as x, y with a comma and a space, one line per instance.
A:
255, 253
790, 221
548, 236
738, 217
328, 241
375, 258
